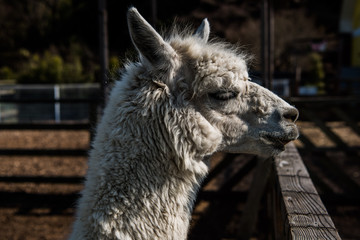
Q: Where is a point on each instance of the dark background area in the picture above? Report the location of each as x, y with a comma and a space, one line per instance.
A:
37, 30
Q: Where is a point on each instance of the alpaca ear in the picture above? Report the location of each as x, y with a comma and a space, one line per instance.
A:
146, 40
203, 30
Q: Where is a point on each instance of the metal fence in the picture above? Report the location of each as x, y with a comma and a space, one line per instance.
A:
47, 103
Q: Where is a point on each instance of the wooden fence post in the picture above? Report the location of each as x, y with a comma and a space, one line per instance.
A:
302, 213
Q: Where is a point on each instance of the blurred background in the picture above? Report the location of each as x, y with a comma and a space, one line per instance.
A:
58, 58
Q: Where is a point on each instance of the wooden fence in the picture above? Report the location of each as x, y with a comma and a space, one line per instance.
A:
27, 201
294, 203
293, 207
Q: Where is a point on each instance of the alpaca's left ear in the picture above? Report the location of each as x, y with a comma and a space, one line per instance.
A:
203, 30
147, 41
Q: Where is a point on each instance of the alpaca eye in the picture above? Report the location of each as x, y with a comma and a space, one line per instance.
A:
224, 96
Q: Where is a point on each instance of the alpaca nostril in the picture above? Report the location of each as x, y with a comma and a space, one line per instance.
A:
291, 114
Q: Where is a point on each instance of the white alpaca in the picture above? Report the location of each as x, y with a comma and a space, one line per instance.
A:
185, 99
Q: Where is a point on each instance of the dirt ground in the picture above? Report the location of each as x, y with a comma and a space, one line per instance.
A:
19, 222
40, 223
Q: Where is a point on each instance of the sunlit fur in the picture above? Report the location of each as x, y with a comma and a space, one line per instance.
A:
161, 122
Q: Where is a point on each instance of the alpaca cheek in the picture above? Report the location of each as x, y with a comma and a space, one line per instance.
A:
194, 140
209, 138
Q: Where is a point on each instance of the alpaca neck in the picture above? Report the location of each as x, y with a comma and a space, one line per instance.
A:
143, 183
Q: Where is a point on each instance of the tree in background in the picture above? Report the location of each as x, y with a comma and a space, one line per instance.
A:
43, 42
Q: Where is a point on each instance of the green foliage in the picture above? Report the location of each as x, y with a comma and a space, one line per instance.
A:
41, 42
6, 73
73, 71
52, 68
40, 69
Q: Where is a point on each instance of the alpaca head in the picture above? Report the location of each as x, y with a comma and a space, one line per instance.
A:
217, 107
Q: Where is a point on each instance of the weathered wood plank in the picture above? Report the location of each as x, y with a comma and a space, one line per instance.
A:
289, 163
302, 211
297, 183
305, 220
310, 233
302, 203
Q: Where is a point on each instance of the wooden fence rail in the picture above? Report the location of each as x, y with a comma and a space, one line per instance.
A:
295, 206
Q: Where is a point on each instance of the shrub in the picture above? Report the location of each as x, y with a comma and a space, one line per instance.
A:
52, 68
6, 73
42, 69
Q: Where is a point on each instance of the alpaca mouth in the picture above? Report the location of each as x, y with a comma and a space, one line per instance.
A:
277, 142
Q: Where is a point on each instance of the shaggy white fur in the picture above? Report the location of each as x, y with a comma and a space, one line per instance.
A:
185, 99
